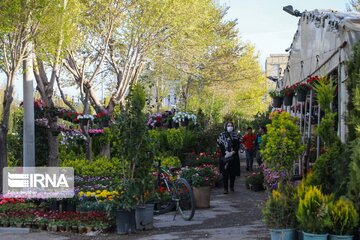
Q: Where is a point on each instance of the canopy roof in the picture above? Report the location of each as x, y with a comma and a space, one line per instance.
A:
324, 39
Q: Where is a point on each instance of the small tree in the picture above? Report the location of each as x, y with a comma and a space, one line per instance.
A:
131, 141
282, 143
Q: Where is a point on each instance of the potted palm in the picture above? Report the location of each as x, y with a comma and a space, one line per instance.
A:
344, 219
313, 214
279, 212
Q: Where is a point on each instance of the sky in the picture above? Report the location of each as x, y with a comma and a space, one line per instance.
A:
264, 24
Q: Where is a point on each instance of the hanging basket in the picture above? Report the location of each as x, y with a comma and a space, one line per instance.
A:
288, 100
301, 96
277, 102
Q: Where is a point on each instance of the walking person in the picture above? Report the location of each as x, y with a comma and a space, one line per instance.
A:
249, 143
229, 162
258, 141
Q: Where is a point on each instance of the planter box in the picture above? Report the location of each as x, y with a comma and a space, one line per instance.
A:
282, 234
341, 237
202, 196
311, 236
144, 217
125, 222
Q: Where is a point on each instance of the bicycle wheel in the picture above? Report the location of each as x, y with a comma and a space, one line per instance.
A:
166, 203
185, 199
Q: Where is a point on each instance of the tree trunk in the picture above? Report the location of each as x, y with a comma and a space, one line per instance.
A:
3, 154
53, 160
106, 151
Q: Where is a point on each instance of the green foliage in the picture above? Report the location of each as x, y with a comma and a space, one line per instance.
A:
313, 213
171, 161
354, 175
279, 209
282, 144
201, 176
324, 169
173, 142
260, 119
100, 167
344, 217
325, 91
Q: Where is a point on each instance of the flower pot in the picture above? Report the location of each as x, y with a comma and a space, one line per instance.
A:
82, 229
202, 196
54, 228
89, 229
68, 228
185, 123
19, 225
62, 228
74, 229
105, 123
301, 96
311, 236
277, 102
256, 187
144, 217
341, 237
282, 234
288, 100
125, 221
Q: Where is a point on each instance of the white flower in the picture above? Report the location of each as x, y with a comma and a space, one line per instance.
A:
86, 116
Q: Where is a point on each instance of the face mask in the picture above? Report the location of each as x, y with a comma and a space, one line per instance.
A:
230, 129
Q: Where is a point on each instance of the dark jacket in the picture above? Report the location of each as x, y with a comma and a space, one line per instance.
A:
233, 145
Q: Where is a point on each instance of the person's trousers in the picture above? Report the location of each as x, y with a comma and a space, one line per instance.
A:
226, 177
249, 159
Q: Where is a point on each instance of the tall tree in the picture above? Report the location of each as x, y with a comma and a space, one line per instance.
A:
57, 32
15, 31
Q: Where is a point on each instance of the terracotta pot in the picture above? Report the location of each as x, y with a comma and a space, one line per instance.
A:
202, 196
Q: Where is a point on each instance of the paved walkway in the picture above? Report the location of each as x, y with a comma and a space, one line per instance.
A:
233, 216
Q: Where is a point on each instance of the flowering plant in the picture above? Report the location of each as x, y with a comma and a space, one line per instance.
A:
102, 116
85, 116
312, 80
288, 91
205, 175
302, 87
255, 181
275, 93
182, 116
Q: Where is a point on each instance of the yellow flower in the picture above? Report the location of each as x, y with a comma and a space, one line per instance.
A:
80, 193
88, 194
98, 191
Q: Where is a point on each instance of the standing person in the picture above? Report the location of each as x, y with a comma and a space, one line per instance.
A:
249, 142
229, 162
258, 141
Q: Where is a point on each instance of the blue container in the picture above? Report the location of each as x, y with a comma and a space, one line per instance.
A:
311, 236
341, 237
282, 234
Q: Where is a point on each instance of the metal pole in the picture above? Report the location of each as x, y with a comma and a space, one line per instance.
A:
28, 101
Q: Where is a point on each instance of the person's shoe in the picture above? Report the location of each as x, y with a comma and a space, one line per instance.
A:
232, 189
247, 169
226, 191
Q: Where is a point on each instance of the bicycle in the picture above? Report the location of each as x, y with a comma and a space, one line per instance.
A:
180, 194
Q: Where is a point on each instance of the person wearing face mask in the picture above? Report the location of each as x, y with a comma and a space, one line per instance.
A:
229, 143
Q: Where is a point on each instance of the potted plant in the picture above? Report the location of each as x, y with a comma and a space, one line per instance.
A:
281, 145
135, 151
288, 93
344, 219
279, 212
144, 214
255, 181
277, 97
313, 214
201, 179
302, 90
